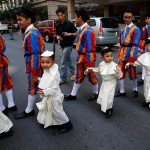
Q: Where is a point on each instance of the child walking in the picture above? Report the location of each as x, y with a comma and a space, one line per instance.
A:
144, 60
51, 108
110, 72
5, 80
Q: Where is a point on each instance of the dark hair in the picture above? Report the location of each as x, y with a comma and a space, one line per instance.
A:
25, 12
105, 50
147, 15
82, 12
60, 10
129, 10
53, 57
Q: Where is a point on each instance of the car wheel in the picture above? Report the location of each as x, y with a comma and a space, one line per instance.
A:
46, 38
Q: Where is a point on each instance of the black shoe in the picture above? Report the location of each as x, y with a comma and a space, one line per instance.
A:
14, 108
24, 115
109, 113
65, 127
140, 82
135, 94
5, 111
94, 97
145, 104
6, 134
70, 97
120, 94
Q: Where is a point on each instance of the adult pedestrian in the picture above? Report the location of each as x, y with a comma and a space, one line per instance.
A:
65, 33
86, 55
33, 46
145, 34
128, 50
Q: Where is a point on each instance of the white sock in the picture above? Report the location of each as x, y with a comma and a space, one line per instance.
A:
95, 88
9, 95
134, 84
121, 85
143, 72
2, 107
31, 102
75, 89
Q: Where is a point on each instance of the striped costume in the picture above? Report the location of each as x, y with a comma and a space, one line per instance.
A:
86, 48
5, 80
33, 46
128, 50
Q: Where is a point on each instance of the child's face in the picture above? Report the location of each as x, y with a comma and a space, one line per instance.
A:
148, 47
23, 22
108, 57
46, 63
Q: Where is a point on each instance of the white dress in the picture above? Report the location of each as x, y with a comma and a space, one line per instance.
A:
144, 60
50, 108
108, 86
5, 123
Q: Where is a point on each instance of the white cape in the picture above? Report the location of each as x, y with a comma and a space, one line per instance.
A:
5, 123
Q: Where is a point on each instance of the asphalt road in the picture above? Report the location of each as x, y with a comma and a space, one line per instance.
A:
128, 129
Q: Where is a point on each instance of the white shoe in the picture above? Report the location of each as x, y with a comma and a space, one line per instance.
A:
72, 78
62, 81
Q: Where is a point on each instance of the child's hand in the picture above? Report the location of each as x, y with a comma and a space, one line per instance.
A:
118, 69
86, 72
40, 92
35, 79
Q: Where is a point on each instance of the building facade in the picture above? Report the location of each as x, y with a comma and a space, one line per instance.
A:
95, 8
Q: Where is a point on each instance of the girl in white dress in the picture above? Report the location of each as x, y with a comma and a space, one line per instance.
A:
144, 60
110, 73
5, 126
51, 110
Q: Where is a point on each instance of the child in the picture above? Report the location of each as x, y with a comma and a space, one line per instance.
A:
50, 108
144, 60
5, 126
5, 80
110, 72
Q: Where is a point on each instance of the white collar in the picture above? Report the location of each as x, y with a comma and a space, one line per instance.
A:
28, 28
130, 25
84, 25
53, 70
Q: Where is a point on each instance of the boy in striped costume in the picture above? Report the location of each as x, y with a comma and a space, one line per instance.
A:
86, 49
128, 50
33, 46
5, 80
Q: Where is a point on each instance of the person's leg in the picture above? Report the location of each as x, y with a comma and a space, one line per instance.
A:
92, 77
2, 107
121, 80
141, 81
63, 72
133, 76
69, 61
32, 94
79, 77
8, 90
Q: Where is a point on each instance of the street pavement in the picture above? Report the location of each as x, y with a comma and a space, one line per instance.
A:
128, 129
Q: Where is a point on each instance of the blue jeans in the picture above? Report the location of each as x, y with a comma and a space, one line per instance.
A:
66, 62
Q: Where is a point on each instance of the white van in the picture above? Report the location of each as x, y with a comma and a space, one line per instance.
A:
106, 29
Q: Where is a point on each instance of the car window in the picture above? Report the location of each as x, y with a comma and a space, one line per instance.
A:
91, 22
109, 23
50, 23
42, 24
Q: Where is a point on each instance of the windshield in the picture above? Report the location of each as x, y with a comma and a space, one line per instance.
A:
109, 23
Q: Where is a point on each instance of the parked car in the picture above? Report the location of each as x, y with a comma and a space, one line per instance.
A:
47, 28
106, 29
3, 27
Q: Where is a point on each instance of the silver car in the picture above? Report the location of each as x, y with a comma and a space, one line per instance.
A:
106, 29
